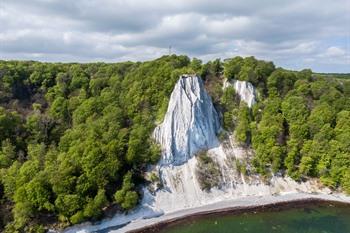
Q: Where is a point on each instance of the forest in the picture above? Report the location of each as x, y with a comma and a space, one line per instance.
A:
75, 139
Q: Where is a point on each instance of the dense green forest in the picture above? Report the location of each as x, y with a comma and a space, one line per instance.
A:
75, 138
300, 126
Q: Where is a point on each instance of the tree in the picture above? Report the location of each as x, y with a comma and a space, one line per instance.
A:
346, 181
79, 78
280, 82
7, 154
196, 65
217, 67
247, 73
269, 139
94, 207
10, 124
75, 138
263, 70
295, 111
68, 204
126, 197
292, 159
38, 193
230, 108
320, 115
318, 88
232, 67
243, 132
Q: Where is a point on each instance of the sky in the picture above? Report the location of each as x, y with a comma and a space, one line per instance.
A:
294, 34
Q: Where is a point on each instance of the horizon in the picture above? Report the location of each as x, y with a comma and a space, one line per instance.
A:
116, 62
294, 35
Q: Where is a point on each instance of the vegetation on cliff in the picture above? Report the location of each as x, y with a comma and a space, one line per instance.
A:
300, 125
75, 138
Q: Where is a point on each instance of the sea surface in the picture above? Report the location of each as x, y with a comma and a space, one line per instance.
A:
308, 218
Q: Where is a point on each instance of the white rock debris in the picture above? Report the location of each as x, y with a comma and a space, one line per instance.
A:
190, 124
244, 89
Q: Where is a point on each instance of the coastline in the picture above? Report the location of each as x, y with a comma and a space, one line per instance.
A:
234, 206
278, 206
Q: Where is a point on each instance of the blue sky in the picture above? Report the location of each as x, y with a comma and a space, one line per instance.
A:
294, 34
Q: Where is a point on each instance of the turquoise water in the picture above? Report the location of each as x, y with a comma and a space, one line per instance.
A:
312, 218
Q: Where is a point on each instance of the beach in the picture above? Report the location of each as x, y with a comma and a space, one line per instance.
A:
244, 204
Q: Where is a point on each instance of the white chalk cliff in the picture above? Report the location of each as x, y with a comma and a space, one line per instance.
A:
190, 124
244, 89
182, 134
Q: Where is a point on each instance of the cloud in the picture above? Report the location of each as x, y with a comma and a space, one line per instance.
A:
334, 51
295, 34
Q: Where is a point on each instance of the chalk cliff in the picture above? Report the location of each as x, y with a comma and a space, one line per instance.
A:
244, 89
190, 124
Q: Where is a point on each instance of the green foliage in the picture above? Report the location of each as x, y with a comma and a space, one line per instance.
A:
230, 108
269, 138
243, 132
196, 65
303, 128
346, 181
126, 197
280, 82
10, 124
295, 111
75, 138
71, 133
207, 171
7, 154
232, 67
249, 69
94, 207
322, 114
68, 204
241, 167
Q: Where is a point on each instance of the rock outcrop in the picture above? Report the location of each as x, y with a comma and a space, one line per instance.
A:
244, 89
190, 124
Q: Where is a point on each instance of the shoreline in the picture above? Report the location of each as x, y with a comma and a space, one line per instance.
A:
242, 205
239, 210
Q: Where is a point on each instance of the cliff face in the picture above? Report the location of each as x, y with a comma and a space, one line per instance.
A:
244, 89
190, 124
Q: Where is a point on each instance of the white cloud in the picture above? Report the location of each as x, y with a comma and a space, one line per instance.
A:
292, 33
334, 51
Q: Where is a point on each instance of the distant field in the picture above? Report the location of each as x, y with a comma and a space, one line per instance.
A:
334, 75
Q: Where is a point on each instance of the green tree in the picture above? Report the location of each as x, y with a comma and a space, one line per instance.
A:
7, 154
320, 115
126, 197
243, 132
232, 67
280, 82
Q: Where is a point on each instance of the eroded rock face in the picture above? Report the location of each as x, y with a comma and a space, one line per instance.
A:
244, 89
190, 124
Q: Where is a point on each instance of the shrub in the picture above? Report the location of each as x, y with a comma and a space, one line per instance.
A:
207, 172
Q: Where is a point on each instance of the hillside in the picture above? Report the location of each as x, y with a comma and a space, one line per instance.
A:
76, 138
